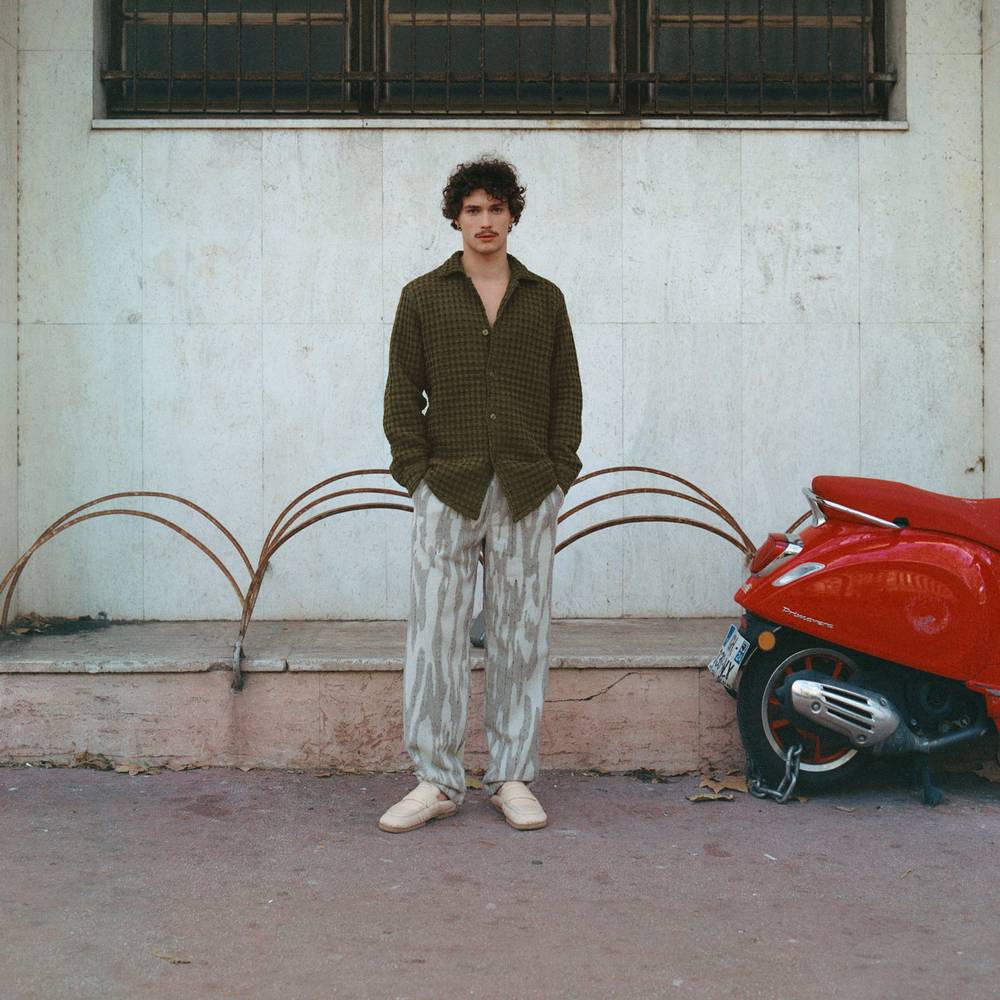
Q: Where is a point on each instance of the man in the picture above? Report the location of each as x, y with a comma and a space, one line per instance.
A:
488, 465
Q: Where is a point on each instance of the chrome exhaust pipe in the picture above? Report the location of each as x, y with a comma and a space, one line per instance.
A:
866, 718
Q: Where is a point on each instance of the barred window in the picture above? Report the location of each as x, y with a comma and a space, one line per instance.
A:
504, 58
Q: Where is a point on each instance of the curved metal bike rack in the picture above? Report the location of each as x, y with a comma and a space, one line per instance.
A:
288, 524
11, 577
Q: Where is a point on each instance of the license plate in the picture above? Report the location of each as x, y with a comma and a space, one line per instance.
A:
726, 664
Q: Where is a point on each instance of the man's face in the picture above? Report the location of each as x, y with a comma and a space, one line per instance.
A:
481, 215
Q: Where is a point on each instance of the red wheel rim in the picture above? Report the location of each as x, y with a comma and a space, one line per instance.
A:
818, 749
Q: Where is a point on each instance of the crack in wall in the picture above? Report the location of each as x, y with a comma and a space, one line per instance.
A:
596, 694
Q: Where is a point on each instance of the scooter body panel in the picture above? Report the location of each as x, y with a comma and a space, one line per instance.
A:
911, 596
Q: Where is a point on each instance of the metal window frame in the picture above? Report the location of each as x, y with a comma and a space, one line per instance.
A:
634, 77
589, 18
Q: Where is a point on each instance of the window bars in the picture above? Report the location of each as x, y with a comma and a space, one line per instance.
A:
502, 58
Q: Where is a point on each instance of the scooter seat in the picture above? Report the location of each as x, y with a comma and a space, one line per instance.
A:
978, 520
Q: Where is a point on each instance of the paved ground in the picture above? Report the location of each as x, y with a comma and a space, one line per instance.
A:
220, 883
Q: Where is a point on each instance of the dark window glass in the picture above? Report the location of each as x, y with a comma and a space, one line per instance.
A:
503, 57
812, 57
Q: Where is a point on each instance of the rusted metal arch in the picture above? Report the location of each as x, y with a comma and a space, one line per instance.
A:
710, 501
284, 528
798, 523
312, 489
286, 534
253, 590
280, 531
13, 575
640, 518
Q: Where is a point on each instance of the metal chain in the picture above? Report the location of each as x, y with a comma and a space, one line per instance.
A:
755, 781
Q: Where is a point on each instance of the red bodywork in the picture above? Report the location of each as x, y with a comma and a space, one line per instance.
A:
926, 595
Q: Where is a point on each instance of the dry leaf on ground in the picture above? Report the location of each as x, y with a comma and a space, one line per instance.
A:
711, 797
173, 959
990, 771
96, 760
132, 769
734, 782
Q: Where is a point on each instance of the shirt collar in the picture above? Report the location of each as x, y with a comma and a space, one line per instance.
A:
517, 269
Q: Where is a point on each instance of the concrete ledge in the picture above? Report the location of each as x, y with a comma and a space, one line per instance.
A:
622, 694
593, 124
277, 646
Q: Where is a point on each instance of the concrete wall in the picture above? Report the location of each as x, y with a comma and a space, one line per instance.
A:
991, 232
206, 311
8, 283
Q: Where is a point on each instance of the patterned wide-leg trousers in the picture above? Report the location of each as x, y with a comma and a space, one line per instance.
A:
517, 601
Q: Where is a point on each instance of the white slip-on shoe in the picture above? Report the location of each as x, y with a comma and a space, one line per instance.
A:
520, 808
415, 809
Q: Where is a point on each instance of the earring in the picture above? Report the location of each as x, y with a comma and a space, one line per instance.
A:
510, 228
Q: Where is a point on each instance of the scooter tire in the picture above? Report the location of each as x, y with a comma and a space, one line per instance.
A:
762, 675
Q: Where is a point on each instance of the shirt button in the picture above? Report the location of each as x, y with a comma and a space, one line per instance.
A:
486, 333
493, 416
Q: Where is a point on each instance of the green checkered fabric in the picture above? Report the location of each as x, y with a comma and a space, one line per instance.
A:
506, 399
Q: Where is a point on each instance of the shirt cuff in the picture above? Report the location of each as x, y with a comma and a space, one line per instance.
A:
410, 479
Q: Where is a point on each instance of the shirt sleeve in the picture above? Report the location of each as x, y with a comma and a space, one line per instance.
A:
566, 409
403, 418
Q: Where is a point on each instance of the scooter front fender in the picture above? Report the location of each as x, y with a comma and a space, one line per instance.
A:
914, 597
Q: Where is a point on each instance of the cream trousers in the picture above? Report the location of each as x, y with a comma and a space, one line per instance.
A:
517, 601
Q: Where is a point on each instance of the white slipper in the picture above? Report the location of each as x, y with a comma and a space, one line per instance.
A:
415, 809
520, 808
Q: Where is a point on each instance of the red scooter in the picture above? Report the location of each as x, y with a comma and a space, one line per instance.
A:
875, 630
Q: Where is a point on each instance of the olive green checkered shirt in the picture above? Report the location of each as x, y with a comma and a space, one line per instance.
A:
506, 399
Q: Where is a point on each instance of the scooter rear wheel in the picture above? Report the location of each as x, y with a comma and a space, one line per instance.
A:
827, 758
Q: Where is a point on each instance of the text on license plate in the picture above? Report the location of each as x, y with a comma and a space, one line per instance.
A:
726, 664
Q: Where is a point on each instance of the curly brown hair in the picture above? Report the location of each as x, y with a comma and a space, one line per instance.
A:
495, 176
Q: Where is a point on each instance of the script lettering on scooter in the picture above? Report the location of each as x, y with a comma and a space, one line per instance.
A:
805, 618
